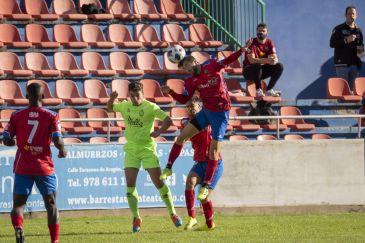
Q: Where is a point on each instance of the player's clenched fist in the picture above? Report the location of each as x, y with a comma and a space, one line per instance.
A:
62, 153
165, 89
113, 95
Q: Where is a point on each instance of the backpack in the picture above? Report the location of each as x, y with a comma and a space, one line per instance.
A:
262, 108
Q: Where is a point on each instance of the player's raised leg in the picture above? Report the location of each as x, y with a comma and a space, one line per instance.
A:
132, 197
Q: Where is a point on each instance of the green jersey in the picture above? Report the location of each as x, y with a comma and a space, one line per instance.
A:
139, 120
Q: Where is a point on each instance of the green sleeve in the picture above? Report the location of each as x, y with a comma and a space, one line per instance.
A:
158, 113
118, 107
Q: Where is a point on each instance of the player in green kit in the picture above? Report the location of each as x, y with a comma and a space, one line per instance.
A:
139, 116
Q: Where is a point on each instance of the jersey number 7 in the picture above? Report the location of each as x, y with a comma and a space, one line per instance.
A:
34, 124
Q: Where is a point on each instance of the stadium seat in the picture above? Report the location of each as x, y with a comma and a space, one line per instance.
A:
120, 35
95, 90
121, 86
122, 140
38, 9
96, 17
293, 137
9, 35
200, 57
241, 125
11, 93
338, 88
93, 35
48, 98
121, 10
170, 67
320, 136
77, 127
67, 91
178, 112
10, 64
235, 92
97, 140
5, 114
94, 63
100, 126
297, 124
147, 35
174, 35
237, 138
160, 140
120, 124
273, 126
66, 36
177, 85
148, 62
122, 64
265, 137
201, 35
38, 36
37, 62
147, 10
251, 91
67, 10
174, 10
235, 67
71, 140
66, 63
152, 92
10, 9
359, 86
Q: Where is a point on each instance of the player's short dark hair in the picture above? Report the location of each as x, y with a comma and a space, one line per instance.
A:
135, 86
349, 7
261, 25
34, 89
187, 58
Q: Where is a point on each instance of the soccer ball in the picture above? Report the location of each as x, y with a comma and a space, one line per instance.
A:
175, 53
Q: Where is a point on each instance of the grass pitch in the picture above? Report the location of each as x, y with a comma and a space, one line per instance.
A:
334, 227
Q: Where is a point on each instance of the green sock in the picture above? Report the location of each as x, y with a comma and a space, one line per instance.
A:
132, 196
166, 196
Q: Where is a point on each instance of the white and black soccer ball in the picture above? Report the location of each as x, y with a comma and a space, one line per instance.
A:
176, 53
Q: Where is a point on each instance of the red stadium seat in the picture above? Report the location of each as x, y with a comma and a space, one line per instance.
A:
97, 17
66, 36
265, 137
174, 10
338, 88
147, 35
48, 98
74, 126
297, 124
93, 35
176, 85
122, 64
9, 35
359, 86
200, 57
148, 62
152, 92
120, 35
121, 10
95, 90
237, 138
38, 36
170, 67
5, 114
10, 9
174, 35
97, 140
94, 63
178, 112
160, 140
37, 62
71, 140
251, 91
235, 92
38, 9
235, 67
241, 125
67, 91
10, 64
122, 140
147, 10
293, 137
121, 86
100, 126
12, 94
66, 63
320, 136
67, 10
201, 35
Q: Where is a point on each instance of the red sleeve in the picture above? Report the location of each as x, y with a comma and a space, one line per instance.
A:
10, 131
55, 128
233, 57
182, 98
271, 48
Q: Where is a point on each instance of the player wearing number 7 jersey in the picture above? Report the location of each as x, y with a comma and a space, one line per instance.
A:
34, 128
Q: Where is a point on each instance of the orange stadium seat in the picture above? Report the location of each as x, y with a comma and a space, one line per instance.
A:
241, 125
170, 67
148, 62
320, 136
201, 34
122, 64
38, 9
122, 140
37, 62
48, 98
95, 90
120, 35
121, 86
235, 67
100, 126
147, 35
120, 124
178, 112
66, 36
10, 64
93, 35
293, 137
74, 126
237, 138
97, 140
174, 35
67, 91
297, 124
94, 63
66, 63
174, 10
152, 92
338, 88
121, 10
9, 35
359, 86
97, 17
235, 92
11, 93
5, 114
251, 91
160, 140
200, 57
147, 10
10, 9
273, 126
38, 36
67, 10
265, 137
71, 140
176, 85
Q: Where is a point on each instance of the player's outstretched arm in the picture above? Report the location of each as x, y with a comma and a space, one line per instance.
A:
58, 143
112, 98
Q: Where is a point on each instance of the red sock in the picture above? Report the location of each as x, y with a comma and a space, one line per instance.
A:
54, 230
175, 152
208, 213
189, 199
209, 172
17, 221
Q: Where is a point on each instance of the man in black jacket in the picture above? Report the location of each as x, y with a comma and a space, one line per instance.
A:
347, 40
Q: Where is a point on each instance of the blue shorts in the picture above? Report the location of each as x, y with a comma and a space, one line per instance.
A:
200, 167
218, 121
23, 184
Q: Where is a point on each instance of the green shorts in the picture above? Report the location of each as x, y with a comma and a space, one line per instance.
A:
144, 155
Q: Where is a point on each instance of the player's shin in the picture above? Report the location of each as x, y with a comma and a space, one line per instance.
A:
208, 213
189, 199
132, 197
174, 154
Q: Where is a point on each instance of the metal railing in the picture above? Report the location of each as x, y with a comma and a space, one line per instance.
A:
230, 21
